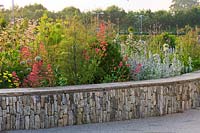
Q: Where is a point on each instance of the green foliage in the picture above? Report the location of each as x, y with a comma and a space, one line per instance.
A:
69, 12
130, 29
165, 38
114, 68
3, 22
157, 43
65, 43
118, 73
153, 22
34, 11
189, 47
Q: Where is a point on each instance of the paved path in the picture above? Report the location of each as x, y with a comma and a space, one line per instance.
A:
187, 122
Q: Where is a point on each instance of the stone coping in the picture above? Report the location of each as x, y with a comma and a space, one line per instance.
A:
101, 87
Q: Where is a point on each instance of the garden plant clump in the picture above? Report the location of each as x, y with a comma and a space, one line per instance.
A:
61, 52
165, 62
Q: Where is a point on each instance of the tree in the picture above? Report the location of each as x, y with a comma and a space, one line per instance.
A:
116, 15
178, 5
34, 11
69, 12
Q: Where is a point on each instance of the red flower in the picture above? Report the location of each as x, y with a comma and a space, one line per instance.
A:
103, 43
25, 52
101, 37
34, 77
42, 47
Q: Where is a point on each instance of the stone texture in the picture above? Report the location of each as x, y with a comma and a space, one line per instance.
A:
37, 122
112, 103
27, 122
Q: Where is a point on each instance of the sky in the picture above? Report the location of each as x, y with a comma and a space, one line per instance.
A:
88, 5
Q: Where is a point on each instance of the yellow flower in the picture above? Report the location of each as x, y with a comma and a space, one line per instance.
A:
4, 73
165, 47
9, 80
10, 75
16, 84
5, 77
1, 81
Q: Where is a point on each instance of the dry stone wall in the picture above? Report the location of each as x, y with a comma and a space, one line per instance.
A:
61, 106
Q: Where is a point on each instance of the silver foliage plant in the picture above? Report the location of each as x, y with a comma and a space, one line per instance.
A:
145, 65
153, 67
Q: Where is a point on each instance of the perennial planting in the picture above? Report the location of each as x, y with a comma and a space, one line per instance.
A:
57, 53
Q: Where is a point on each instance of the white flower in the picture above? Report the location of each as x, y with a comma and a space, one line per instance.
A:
165, 47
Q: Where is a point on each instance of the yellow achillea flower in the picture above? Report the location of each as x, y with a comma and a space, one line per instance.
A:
16, 84
10, 75
5, 77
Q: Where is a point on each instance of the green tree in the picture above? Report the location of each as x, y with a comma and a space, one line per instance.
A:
34, 11
178, 5
69, 12
116, 15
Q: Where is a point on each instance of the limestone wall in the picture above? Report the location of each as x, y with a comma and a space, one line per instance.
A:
33, 108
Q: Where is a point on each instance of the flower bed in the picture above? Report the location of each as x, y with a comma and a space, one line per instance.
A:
58, 53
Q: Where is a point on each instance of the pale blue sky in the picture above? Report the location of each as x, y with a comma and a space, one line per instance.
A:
86, 5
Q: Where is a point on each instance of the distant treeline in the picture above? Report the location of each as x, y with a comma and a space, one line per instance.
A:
144, 20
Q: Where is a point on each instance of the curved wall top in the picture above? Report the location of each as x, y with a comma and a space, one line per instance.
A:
104, 86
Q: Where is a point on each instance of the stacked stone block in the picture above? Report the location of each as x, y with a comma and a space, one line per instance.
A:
62, 108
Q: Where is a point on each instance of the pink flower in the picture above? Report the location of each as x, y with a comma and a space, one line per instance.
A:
84, 52
87, 57
104, 48
97, 50
138, 68
14, 74
120, 64
126, 58
49, 66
